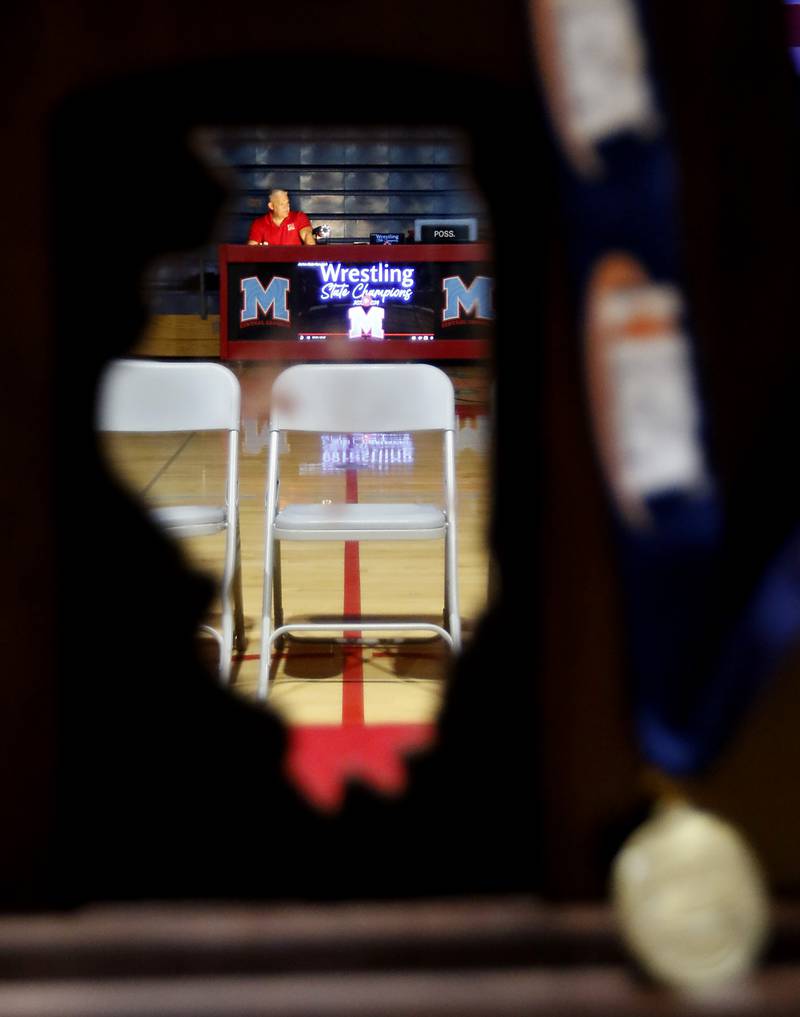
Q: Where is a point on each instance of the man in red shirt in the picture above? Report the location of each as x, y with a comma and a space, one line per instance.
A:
280, 225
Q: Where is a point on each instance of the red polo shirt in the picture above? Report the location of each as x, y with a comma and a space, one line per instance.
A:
264, 229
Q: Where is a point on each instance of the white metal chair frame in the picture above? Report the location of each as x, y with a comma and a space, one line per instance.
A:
147, 396
358, 399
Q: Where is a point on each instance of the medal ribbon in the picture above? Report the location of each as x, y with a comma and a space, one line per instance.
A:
699, 648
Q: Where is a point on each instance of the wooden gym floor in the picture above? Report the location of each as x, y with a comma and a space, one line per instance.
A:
388, 693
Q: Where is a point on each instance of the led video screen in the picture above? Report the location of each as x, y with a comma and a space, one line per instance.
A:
371, 297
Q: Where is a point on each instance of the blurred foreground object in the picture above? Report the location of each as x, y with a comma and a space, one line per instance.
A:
593, 63
690, 899
641, 389
498, 956
688, 892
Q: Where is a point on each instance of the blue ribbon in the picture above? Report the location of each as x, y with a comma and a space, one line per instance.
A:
699, 649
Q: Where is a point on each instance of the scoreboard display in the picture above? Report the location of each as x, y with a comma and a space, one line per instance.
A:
360, 301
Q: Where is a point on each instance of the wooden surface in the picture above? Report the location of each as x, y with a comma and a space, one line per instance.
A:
180, 335
401, 684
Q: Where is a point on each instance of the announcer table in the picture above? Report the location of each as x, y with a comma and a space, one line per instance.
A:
356, 301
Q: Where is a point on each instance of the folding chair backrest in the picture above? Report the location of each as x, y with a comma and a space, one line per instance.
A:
139, 395
358, 398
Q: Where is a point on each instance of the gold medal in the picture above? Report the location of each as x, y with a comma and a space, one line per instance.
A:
690, 899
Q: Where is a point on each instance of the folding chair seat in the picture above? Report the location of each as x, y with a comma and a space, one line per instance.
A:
141, 396
359, 399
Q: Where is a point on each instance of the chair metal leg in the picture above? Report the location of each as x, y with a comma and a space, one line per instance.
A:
270, 506
453, 625
240, 641
266, 622
446, 611
277, 587
226, 647
232, 602
451, 588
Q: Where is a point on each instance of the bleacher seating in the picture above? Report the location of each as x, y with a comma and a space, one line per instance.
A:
357, 180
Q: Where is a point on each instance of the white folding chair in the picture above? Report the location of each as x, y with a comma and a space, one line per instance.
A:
358, 399
140, 396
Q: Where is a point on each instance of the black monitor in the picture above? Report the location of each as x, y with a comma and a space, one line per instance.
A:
444, 230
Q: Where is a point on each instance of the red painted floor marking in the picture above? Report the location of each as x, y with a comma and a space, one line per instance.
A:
353, 671
351, 486
322, 759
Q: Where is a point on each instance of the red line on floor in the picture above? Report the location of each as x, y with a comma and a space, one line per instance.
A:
321, 759
351, 486
353, 671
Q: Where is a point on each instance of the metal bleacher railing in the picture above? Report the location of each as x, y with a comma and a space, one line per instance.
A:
356, 180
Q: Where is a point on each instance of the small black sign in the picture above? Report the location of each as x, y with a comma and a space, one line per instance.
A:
386, 238
446, 233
